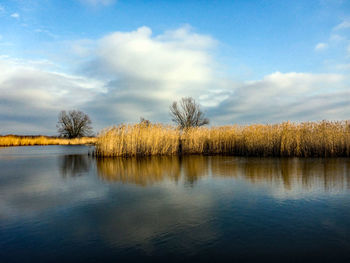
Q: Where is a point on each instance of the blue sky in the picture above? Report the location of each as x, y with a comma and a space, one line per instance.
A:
244, 61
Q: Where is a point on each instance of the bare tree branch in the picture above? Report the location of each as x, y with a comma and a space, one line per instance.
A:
188, 114
74, 124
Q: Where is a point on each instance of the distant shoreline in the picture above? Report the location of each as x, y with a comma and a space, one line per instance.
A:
37, 140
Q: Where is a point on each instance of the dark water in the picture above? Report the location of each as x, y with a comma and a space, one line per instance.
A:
57, 204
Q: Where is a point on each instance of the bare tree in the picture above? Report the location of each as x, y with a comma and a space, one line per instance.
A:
145, 121
188, 114
74, 124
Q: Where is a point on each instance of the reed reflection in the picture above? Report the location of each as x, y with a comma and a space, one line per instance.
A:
291, 173
140, 171
194, 167
74, 165
148, 170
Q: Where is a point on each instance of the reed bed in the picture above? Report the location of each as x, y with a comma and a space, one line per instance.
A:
139, 139
307, 139
13, 140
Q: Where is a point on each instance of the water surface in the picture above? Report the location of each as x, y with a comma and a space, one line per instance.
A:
57, 204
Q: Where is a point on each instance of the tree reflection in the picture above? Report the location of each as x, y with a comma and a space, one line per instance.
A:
74, 165
194, 167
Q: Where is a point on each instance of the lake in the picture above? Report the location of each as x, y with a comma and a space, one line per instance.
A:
57, 204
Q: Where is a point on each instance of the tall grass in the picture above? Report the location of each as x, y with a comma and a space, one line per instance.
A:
138, 139
308, 139
13, 140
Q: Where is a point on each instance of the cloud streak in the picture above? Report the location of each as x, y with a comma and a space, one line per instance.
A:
343, 25
15, 15
321, 46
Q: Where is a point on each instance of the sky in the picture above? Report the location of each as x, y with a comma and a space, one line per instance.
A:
243, 61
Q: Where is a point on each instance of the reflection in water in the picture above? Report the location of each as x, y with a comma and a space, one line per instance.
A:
141, 171
74, 165
194, 167
292, 173
235, 211
149, 170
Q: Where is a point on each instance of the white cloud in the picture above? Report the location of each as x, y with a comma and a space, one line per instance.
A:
185, 37
321, 46
343, 67
146, 72
343, 25
286, 96
34, 96
2, 9
45, 31
335, 38
15, 15
170, 58
82, 47
98, 2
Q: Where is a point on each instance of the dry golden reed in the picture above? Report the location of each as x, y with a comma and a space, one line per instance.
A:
308, 139
138, 139
12, 140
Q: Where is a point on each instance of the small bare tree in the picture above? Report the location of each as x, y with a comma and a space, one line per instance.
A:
74, 124
188, 114
145, 121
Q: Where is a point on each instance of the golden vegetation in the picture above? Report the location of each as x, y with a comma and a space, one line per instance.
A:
139, 139
308, 139
13, 140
